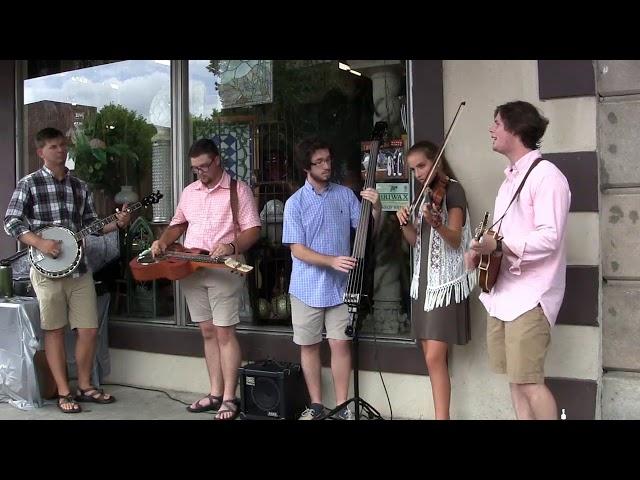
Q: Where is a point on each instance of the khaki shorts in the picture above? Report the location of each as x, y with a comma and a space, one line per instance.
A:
213, 295
518, 348
308, 322
66, 301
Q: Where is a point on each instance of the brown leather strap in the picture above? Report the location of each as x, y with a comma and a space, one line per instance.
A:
233, 192
535, 162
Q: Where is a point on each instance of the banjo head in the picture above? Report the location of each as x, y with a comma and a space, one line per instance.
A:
68, 259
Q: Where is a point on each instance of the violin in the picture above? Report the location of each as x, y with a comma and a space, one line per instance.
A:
438, 189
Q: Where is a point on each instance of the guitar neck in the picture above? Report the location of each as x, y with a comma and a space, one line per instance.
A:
483, 227
100, 224
194, 257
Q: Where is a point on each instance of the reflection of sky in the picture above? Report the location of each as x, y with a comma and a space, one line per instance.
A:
202, 90
139, 85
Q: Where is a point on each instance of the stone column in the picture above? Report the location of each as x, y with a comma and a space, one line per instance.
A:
618, 85
161, 178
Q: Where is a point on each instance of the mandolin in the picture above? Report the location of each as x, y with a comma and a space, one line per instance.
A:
489, 265
177, 263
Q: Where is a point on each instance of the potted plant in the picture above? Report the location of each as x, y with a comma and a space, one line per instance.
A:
95, 162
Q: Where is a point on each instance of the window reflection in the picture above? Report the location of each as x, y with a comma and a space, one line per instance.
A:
257, 128
117, 118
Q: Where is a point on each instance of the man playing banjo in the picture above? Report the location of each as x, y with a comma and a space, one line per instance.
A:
51, 196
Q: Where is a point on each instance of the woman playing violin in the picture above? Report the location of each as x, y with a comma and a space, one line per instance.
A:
440, 287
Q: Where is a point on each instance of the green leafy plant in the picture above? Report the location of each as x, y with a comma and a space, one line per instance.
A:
90, 162
94, 160
127, 135
111, 148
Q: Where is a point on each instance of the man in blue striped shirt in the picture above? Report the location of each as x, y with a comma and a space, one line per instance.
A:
318, 219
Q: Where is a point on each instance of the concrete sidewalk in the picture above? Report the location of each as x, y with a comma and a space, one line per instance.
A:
131, 404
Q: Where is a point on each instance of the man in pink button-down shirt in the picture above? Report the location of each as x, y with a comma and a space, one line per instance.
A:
525, 300
204, 215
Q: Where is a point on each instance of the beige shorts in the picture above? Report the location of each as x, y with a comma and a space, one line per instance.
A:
518, 348
66, 301
213, 295
308, 322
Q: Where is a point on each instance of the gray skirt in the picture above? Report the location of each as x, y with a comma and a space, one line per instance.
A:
448, 323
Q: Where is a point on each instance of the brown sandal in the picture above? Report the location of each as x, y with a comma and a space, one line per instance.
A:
232, 406
87, 395
215, 401
66, 399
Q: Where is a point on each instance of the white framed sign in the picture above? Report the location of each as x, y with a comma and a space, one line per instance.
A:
393, 195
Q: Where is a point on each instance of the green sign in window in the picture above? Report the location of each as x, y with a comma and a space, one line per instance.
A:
393, 195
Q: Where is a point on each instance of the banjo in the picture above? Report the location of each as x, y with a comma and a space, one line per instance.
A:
71, 243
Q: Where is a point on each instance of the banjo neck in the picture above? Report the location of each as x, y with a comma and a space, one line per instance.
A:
100, 224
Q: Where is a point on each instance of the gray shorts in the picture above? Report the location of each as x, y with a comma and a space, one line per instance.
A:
213, 294
308, 322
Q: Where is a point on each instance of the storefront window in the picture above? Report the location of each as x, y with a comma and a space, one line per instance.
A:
117, 117
257, 110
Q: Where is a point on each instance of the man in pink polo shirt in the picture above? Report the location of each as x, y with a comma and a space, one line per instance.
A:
205, 215
525, 300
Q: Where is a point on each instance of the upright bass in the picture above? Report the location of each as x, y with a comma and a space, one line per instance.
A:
359, 291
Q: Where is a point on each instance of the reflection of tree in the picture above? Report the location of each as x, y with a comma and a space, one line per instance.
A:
204, 127
94, 160
214, 67
117, 125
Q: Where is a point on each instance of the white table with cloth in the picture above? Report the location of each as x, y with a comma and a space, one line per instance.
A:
20, 339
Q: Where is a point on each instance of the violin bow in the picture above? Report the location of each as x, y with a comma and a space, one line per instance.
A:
418, 199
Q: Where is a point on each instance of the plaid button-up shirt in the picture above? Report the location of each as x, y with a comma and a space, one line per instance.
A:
40, 200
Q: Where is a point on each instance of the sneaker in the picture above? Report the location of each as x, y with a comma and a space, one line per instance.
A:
313, 412
346, 414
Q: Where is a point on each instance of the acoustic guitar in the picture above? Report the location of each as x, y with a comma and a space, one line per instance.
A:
489, 266
177, 263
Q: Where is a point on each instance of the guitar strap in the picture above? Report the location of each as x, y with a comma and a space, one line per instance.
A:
535, 162
233, 193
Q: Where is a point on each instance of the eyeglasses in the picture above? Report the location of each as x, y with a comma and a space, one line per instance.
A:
324, 160
201, 169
